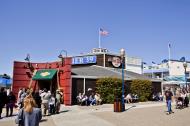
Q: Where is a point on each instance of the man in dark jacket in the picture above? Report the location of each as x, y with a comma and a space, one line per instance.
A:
10, 104
37, 99
169, 97
3, 99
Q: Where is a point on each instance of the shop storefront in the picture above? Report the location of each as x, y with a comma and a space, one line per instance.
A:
73, 75
52, 76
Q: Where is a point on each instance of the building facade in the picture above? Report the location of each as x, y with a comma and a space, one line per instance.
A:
77, 74
134, 64
169, 68
52, 76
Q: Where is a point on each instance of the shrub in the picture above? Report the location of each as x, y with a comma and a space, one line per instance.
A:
109, 88
142, 88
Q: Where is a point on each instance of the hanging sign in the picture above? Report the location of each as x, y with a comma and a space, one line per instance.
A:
84, 60
116, 61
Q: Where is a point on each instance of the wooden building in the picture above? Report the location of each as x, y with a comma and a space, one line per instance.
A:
73, 75
52, 76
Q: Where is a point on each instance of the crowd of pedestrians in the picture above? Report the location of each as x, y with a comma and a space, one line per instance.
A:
92, 99
181, 97
44, 99
32, 105
131, 98
7, 100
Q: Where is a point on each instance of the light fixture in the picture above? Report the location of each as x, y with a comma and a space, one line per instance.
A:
61, 56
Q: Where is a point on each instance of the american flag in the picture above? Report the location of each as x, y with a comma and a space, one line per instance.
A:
103, 32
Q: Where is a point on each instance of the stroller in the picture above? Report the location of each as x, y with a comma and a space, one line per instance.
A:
186, 101
179, 103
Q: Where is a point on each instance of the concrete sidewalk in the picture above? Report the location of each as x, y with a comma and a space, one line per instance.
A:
137, 114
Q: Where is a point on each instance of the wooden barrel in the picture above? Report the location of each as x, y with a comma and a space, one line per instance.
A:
117, 105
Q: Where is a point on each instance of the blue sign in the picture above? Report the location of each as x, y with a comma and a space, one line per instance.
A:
5, 82
83, 60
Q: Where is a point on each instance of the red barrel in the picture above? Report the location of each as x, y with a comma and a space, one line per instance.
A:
117, 105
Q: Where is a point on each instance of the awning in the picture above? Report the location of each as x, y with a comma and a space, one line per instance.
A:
45, 74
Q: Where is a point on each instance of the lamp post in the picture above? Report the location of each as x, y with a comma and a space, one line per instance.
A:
28, 60
185, 67
122, 54
61, 56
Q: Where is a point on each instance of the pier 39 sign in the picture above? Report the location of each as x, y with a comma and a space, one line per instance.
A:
84, 60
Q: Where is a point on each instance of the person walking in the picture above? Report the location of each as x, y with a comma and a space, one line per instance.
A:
22, 96
3, 99
10, 104
29, 115
58, 97
37, 99
45, 101
169, 97
52, 104
19, 97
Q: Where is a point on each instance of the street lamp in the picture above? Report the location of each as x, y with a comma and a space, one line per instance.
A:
28, 60
185, 67
122, 54
61, 56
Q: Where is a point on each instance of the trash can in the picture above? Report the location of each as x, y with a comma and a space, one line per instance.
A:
117, 105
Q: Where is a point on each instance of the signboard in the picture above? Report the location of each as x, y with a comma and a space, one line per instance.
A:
116, 61
83, 60
134, 61
5, 82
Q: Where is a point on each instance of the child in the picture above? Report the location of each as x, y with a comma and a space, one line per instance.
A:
52, 104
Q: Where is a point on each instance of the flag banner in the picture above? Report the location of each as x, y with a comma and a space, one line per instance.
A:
164, 61
182, 59
169, 45
144, 62
103, 32
153, 62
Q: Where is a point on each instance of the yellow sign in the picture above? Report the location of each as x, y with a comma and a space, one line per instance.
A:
45, 74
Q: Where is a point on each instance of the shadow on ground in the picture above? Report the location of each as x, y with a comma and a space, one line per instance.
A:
43, 120
64, 111
130, 107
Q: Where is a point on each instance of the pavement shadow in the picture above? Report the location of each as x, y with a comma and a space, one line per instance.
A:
4, 117
130, 107
14, 115
64, 111
43, 120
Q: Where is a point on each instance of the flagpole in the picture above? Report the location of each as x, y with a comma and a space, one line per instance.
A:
169, 56
169, 51
99, 46
152, 70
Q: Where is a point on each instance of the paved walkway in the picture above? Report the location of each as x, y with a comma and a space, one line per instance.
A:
139, 114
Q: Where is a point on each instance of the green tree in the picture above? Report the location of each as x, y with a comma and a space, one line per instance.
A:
109, 88
143, 88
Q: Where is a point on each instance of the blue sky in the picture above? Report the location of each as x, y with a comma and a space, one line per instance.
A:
44, 27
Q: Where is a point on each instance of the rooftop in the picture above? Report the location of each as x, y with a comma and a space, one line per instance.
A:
99, 72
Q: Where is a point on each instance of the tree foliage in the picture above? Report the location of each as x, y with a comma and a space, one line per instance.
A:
109, 88
143, 88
